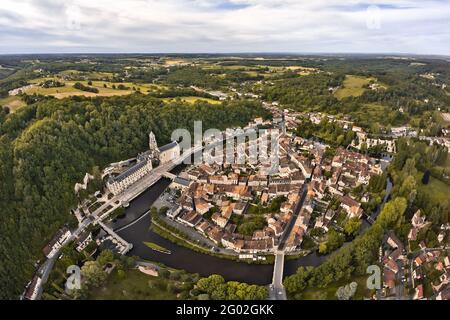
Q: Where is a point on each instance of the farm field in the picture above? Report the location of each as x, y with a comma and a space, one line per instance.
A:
353, 86
12, 102
105, 88
192, 99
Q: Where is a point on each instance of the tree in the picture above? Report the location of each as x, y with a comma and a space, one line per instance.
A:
351, 226
203, 296
297, 282
426, 177
164, 273
391, 216
93, 274
209, 284
105, 257
334, 241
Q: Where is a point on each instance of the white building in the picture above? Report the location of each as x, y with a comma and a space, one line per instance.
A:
169, 152
119, 183
57, 242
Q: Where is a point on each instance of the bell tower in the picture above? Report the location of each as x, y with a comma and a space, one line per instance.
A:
152, 144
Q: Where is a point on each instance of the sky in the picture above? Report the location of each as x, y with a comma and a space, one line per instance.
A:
225, 26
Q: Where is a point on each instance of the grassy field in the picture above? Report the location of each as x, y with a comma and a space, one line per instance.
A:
352, 87
156, 247
69, 90
329, 293
174, 62
371, 112
192, 99
437, 190
135, 285
12, 102
303, 71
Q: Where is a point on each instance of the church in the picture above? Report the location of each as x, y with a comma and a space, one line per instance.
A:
143, 166
166, 153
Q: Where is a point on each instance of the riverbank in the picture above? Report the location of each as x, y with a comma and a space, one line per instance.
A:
136, 230
159, 227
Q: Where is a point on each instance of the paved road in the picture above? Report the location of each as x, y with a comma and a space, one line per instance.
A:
277, 291
291, 224
400, 287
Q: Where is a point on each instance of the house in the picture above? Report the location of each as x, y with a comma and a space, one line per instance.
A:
189, 218
180, 183
57, 241
218, 219
351, 206
419, 260
389, 279
418, 295
203, 227
264, 198
186, 202
391, 239
287, 207
418, 221
412, 235
391, 265
174, 211
257, 180
202, 206
240, 207
215, 234
447, 262
444, 294
32, 290
83, 240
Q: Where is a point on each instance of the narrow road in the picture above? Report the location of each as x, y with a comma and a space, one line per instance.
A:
277, 291
291, 224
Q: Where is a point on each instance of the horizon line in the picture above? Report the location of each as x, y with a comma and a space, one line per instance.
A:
306, 53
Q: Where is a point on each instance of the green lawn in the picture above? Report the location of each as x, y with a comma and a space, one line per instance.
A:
69, 90
156, 247
371, 112
12, 102
329, 293
135, 285
353, 86
437, 190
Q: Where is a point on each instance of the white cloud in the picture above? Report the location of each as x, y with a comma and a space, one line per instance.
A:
223, 26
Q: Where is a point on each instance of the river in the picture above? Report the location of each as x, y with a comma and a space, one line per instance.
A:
194, 262
183, 258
